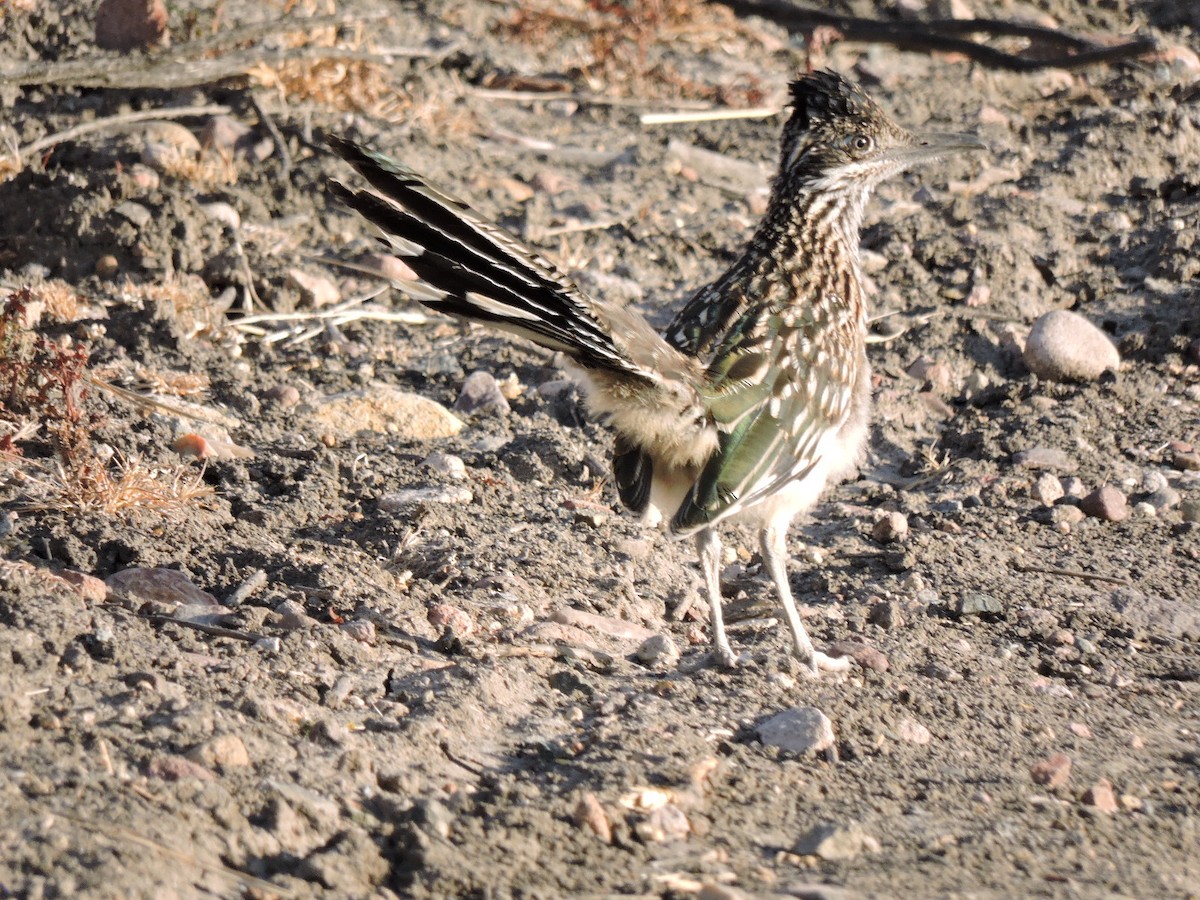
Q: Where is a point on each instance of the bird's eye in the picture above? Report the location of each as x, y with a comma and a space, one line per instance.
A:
861, 142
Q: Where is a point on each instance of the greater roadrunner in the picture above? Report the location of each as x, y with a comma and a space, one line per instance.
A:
757, 394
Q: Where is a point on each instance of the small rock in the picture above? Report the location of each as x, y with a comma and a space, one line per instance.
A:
887, 615
865, 655
225, 751
131, 25
176, 768
892, 527
1154, 480
269, 645
1106, 503
293, 616
1080, 730
1064, 346
481, 393
411, 497
167, 586
1047, 490
1044, 458
658, 652
106, 266
836, 842
589, 812
223, 213
223, 133
974, 603
388, 410
135, 213
443, 616
666, 823
1189, 510
316, 289
446, 464
361, 630
1052, 772
801, 729
1100, 796
913, 732
1067, 515
1186, 461
1164, 498
89, 587
144, 178
1144, 510
284, 396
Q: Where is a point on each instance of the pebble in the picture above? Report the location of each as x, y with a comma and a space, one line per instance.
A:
106, 266
974, 603
910, 731
891, 528
293, 617
134, 212
1080, 730
1186, 460
387, 410
1106, 503
167, 586
832, 842
224, 751
127, 25
269, 645
887, 615
284, 396
222, 213
177, 768
589, 812
1044, 458
1154, 480
1052, 772
481, 393
666, 823
443, 616
1144, 510
316, 289
1064, 346
446, 464
801, 729
865, 655
1190, 510
361, 630
1067, 515
658, 652
1101, 797
144, 177
450, 494
88, 587
1047, 490
1164, 498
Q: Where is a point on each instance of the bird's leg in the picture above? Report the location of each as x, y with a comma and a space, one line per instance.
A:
774, 553
708, 542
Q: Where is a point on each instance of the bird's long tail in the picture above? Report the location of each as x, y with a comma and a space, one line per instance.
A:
477, 270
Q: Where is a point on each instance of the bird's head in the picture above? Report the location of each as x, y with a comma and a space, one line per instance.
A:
838, 139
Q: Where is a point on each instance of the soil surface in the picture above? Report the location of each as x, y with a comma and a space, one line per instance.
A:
395, 653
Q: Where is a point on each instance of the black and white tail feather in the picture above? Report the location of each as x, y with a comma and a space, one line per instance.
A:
482, 272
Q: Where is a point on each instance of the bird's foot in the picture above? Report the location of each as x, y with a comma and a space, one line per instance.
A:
723, 657
819, 664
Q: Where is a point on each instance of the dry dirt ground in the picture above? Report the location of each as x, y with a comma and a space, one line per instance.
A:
377, 670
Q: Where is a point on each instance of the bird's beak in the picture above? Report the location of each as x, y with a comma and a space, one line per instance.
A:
928, 147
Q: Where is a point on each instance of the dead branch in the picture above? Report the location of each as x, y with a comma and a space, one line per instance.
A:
949, 36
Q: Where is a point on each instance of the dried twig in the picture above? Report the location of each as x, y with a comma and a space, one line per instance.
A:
250, 637
707, 115
947, 35
1124, 581
109, 123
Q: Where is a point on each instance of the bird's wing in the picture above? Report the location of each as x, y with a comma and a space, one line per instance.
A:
778, 389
